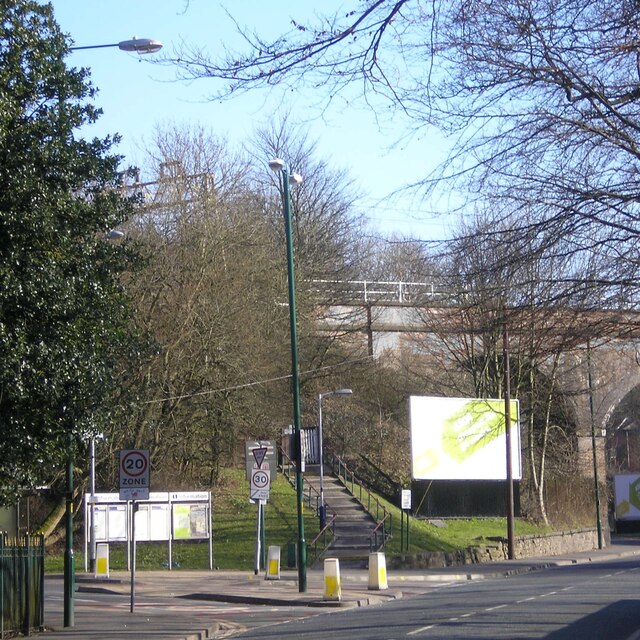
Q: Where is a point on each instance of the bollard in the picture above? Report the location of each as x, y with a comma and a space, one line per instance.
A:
102, 560
332, 588
377, 571
273, 563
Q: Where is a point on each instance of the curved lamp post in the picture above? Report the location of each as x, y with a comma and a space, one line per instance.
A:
140, 46
135, 45
279, 167
321, 396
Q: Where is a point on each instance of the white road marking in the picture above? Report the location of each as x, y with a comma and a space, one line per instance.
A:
421, 629
635, 636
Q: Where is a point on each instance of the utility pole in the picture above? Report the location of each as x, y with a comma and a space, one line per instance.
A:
594, 448
507, 431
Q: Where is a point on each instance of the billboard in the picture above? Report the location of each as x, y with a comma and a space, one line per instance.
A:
462, 439
627, 496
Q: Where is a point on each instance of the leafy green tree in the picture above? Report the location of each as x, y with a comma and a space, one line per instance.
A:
64, 319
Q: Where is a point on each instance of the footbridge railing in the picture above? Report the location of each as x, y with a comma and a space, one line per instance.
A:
381, 291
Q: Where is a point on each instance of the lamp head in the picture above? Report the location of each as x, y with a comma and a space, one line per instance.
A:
337, 392
140, 45
114, 235
277, 164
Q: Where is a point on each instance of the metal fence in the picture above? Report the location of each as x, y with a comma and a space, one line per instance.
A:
382, 291
21, 584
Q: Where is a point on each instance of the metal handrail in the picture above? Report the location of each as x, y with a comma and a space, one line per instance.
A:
287, 467
382, 290
368, 501
310, 494
385, 533
329, 528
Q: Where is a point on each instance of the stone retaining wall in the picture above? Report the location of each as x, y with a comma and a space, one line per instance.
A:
553, 544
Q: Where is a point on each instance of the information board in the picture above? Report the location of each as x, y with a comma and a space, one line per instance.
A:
163, 517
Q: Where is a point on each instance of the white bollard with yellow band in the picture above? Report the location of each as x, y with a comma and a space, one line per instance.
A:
332, 587
273, 563
102, 560
377, 571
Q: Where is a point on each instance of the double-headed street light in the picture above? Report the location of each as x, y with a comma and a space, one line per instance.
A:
337, 392
278, 166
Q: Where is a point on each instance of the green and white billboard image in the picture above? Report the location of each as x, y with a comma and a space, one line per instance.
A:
627, 496
462, 439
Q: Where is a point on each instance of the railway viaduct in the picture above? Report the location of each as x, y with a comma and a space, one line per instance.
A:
599, 365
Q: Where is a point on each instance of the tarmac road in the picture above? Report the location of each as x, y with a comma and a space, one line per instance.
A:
176, 605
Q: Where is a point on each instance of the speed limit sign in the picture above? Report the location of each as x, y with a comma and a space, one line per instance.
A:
134, 474
260, 484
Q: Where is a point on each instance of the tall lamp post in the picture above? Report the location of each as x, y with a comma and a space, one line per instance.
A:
69, 566
141, 46
279, 167
321, 396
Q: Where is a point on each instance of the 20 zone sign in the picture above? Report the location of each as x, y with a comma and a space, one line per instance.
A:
134, 474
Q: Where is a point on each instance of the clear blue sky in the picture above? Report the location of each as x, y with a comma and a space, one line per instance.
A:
137, 96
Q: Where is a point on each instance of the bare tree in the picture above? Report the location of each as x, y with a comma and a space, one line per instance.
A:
539, 96
327, 225
399, 258
209, 297
462, 348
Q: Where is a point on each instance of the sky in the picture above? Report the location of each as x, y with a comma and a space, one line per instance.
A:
137, 96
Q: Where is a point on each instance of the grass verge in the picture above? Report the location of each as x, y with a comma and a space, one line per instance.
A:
234, 532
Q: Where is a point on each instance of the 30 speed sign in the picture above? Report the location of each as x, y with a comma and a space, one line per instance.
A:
134, 474
260, 484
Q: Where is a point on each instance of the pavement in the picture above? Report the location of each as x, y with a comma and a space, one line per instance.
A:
180, 622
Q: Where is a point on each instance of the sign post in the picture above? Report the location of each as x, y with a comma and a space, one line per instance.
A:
134, 485
405, 505
259, 491
261, 461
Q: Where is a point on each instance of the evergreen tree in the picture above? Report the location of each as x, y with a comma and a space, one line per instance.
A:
65, 326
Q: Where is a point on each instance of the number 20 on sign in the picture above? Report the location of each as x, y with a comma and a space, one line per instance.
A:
134, 474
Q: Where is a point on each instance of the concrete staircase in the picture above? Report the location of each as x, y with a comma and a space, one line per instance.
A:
353, 525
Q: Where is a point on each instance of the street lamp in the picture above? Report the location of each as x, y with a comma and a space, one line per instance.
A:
135, 45
69, 561
337, 392
141, 46
279, 167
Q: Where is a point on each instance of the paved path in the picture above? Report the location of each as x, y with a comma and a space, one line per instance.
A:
176, 605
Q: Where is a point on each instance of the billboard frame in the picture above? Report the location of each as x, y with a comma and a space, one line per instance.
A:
462, 438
